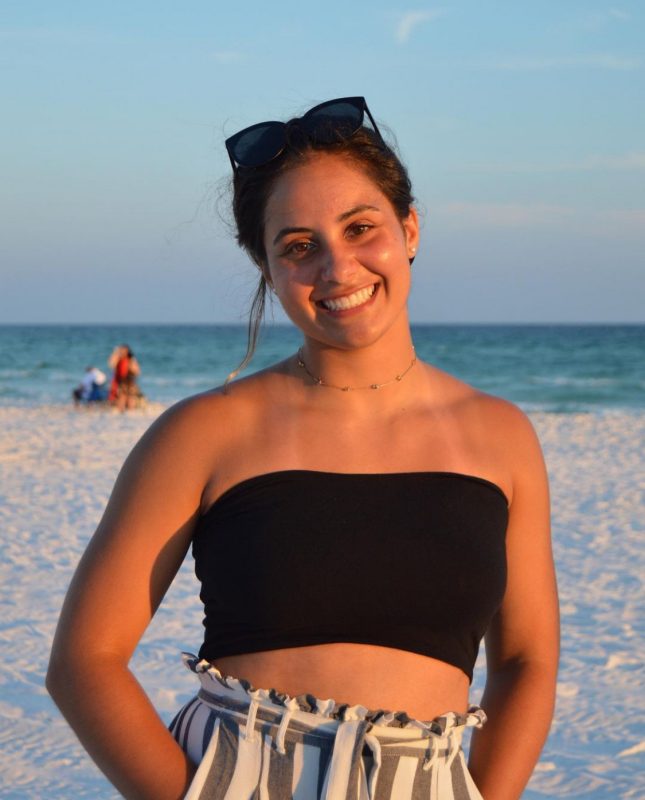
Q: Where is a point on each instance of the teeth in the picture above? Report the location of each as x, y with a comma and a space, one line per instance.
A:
350, 301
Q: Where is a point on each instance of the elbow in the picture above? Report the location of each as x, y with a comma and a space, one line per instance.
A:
71, 672
541, 669
537, 660
54, 679
537, 676
62, 673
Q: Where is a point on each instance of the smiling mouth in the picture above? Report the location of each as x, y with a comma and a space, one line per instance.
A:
348, 301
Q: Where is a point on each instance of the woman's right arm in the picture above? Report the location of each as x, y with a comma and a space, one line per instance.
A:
122, 577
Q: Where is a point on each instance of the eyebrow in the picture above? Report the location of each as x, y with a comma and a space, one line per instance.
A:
356, 210
287, 231
341, 218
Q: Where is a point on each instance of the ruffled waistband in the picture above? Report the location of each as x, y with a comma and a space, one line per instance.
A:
240, 691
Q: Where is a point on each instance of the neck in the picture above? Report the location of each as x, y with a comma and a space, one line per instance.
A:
375, 366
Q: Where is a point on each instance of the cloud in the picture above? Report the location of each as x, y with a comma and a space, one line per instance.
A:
409, 20
540, 63
611, 222
54, 35
625, 161
28, 33
625, 221
501, 215
599, 19
228, 56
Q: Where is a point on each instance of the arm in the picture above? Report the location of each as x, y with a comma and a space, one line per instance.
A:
522, 642
119, 583
114, 357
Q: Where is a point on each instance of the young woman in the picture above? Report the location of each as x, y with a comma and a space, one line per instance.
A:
359, 521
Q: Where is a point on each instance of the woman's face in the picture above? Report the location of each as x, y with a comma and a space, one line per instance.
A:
337, 254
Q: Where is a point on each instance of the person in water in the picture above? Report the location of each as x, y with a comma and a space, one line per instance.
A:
359, 520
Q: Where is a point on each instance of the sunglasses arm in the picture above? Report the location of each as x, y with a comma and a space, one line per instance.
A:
374, 125
233, 164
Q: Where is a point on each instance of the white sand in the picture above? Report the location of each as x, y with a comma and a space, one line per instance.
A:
57, 467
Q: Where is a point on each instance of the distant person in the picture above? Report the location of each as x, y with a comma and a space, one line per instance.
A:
124, 390
92, 388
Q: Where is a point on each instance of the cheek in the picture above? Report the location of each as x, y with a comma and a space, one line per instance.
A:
393, 266
275, 276
290, 277
390, 255
290, 289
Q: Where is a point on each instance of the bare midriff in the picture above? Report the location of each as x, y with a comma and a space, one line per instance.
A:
358, 674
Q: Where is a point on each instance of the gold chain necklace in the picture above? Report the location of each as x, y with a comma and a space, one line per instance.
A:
320, 382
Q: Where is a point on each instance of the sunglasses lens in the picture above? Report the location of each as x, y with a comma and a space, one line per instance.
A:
257, 145
333, 122
330, 122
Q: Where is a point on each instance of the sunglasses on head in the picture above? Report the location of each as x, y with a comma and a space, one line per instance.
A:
327, 123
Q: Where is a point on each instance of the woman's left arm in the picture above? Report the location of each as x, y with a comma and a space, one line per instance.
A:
522, 642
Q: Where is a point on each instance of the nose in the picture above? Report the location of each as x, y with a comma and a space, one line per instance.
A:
338, 264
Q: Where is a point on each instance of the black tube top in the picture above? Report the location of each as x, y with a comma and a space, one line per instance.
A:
413, 560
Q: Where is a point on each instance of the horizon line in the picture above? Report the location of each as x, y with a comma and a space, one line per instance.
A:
413, 323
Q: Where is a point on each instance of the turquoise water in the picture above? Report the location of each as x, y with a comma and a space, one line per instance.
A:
548, 367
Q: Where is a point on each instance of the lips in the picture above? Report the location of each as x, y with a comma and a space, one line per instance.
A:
348, 301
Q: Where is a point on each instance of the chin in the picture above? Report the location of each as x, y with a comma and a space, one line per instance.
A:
346, 340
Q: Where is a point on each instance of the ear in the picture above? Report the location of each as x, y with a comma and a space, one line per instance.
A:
410, 227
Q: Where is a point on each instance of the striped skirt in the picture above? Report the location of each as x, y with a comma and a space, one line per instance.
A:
257, 744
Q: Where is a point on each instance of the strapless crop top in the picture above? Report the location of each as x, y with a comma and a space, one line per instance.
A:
414, 561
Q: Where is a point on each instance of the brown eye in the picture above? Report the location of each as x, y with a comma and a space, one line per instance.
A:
299, 248
358, 229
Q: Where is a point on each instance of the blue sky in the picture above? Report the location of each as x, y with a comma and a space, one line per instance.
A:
523, 126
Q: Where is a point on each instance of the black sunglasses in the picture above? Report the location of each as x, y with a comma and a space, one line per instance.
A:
330, 122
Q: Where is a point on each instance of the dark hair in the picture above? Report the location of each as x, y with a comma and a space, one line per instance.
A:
252, 187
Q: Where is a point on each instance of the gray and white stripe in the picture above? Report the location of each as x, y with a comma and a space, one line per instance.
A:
256, 744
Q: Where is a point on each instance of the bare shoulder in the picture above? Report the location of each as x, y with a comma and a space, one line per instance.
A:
501, 418
514, 439
500, 432
517, 446
213, 414
197, 433
510, 425
164, 478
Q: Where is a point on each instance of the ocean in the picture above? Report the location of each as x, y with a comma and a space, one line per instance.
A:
583, 388
559, 368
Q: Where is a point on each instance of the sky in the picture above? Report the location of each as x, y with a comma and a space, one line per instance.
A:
522, 125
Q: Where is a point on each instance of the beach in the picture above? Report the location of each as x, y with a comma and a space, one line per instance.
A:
57, 467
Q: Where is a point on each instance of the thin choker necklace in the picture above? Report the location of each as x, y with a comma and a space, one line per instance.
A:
320, 382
